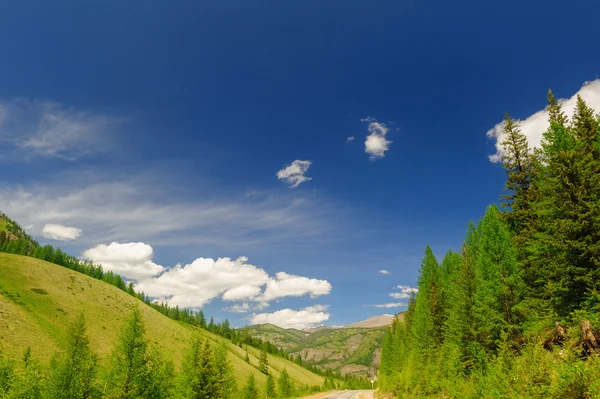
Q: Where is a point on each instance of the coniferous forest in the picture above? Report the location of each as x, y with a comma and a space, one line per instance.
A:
515, 314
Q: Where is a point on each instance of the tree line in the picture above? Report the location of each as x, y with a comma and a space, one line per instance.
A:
515, 314
136, 371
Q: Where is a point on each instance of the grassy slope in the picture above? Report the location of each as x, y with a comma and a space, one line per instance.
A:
38, 300
340, 347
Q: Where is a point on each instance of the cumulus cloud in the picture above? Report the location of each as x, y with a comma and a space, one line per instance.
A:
298, 319
390, 305
535, 125
196, 284
292, 285
383, 271
376, 143
50, 129
295, 173
59, 232
405, 292
350, 139
133, 261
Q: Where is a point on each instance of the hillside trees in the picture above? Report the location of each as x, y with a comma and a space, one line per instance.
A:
73, 372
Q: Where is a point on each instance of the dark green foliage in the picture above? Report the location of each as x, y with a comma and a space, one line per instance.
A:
271, 390
73, 373
250, 390
506, 317
7, 375
199, 373
29, 381
136, 371
263, 363
285, 385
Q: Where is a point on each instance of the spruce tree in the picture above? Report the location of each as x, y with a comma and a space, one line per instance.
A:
270, 389
136, 372
7, 375
285, 385
226, 382
199, 375
29, 381
250, 389
73, 373
263, 362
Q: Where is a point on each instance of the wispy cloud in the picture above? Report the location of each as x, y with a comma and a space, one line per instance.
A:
535, 125
383, 271
50, 129
295, 173
135, 210
376, 143
350, 139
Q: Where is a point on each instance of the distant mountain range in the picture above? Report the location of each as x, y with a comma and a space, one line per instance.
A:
351, 349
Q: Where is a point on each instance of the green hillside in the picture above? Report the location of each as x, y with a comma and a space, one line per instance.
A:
39, 299
350, 351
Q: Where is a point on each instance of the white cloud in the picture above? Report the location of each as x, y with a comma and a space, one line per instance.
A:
294, 173
292, 285
405, 292
298, 319
196, 284
133, 261
376, 143
246, 307
59, 232
383, 271
50, 129
241, 293
390, 305
535, 125
350, 139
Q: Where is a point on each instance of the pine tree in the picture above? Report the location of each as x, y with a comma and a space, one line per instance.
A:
286, 388
136, 373
226, 383
250, 389
7, 375
28, 382
271, 390
73, 373
199, 374
263, 362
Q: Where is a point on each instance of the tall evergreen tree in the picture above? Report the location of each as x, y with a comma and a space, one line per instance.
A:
250, 389
263, 362
226, 383
7, 375
270, 389
199, 374
136, 373
28, 382
73, 373
285, 385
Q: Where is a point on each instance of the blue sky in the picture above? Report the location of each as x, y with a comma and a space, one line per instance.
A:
161, 127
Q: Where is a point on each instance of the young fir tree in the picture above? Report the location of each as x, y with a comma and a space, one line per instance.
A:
73, 373
498, 282
226, 383
7, 375
250, 389
136, 373
263, 362
199, 379
285, 385
29, 381
270, 389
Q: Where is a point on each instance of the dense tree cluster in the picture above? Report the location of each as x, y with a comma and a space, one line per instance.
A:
516, 314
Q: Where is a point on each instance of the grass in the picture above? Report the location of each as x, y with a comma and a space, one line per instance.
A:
39, 299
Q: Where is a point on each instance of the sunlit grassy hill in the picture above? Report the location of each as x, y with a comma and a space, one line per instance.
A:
39, 299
